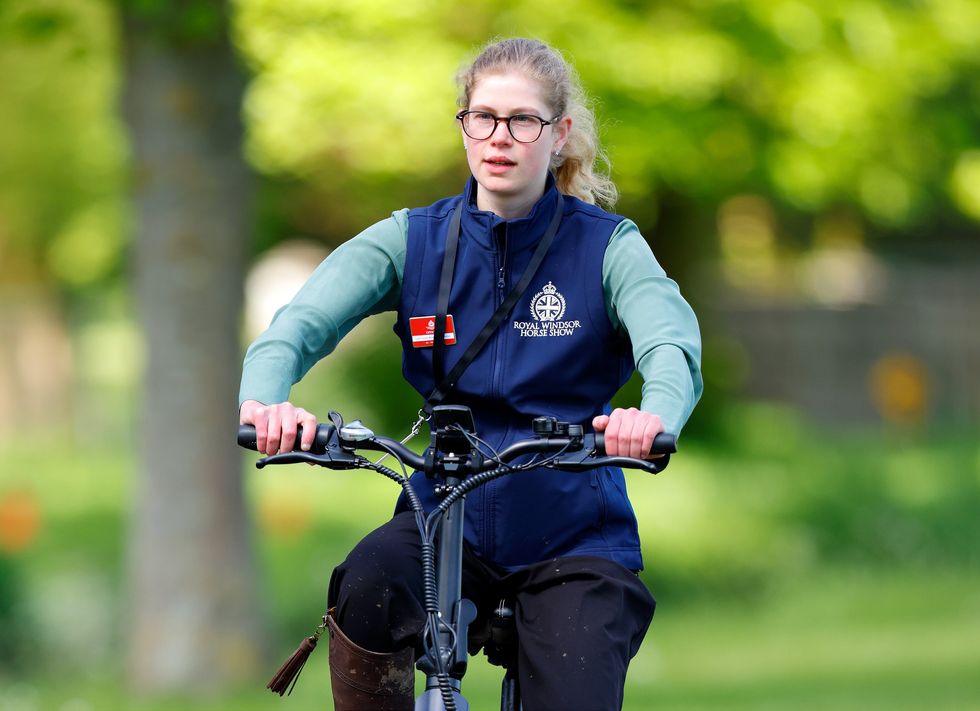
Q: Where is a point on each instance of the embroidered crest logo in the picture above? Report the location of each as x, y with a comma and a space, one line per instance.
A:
548, 304
547, 309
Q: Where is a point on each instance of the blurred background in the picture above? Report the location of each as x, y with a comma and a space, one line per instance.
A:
170, 172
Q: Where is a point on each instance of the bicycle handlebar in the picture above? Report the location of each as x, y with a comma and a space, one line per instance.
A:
576, 453
663, 443
324, 432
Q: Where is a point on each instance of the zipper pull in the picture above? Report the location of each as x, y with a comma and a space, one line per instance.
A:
500, 278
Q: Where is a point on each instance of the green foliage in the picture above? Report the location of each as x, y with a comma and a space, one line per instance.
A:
12, 627
185, 23
61, 201
870, 105
40, 24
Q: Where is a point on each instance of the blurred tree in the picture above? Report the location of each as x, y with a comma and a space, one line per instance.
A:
195, 619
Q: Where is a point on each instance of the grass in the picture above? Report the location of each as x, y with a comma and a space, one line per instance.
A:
841, 639
832, 640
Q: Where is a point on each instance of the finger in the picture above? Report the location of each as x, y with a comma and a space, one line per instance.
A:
647, 441
637, 437
599, 422
612, 432
259, 419
308, 420
630, 433
288, 424
274, 436
646, 427
246, 412
653, 427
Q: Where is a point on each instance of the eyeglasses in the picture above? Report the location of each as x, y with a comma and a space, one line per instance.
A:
480, 125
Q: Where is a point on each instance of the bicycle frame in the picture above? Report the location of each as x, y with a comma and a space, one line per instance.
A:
459, 611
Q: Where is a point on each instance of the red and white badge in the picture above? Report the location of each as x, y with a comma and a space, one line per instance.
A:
424, 331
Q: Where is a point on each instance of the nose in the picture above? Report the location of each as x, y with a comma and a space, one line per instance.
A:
501, 133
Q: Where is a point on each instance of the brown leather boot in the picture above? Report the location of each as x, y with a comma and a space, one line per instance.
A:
369, 681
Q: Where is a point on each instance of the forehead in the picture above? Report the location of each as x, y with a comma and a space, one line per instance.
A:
506, 93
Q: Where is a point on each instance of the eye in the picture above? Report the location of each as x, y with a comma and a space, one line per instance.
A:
525, 119
482, 116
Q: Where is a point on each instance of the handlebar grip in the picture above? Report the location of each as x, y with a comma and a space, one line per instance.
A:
663, 443
246, 437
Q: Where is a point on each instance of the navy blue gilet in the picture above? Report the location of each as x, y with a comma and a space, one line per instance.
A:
556, 354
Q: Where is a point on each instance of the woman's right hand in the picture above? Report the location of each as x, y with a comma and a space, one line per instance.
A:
275, 425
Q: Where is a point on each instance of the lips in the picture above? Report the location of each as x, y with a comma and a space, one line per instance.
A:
499, 160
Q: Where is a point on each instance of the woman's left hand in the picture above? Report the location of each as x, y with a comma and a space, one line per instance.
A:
629, 433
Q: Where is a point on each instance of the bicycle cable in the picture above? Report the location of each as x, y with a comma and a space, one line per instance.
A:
434, 623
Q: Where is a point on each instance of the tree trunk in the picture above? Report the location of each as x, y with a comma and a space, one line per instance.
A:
194, 614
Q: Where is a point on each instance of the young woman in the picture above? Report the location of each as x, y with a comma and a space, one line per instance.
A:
565, 548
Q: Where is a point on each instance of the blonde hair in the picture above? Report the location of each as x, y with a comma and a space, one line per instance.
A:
575, 169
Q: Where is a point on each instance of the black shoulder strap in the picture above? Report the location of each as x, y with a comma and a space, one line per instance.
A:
442, 303
446, 383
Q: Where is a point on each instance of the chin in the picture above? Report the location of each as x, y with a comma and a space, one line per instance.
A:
499, 185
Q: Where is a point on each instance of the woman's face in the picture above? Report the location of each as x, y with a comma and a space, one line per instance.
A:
511, 175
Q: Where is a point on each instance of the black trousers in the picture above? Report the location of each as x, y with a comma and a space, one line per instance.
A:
579, 619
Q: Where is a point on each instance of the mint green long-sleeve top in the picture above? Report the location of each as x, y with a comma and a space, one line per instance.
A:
364, 276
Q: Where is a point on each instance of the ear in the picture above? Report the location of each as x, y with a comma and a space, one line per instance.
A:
562, 128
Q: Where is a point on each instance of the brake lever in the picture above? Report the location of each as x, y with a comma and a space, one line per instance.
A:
653, 466
585, 462
584, 459
331, 459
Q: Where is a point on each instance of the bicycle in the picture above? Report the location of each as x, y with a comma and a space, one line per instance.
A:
456, 455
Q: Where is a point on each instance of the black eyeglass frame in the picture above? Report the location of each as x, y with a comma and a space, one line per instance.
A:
506, 119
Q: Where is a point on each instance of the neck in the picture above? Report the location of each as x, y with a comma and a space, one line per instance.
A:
509, 207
